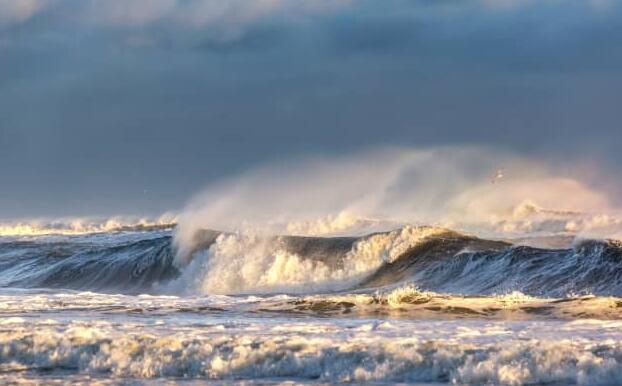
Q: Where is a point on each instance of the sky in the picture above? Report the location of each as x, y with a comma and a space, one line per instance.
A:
131, 106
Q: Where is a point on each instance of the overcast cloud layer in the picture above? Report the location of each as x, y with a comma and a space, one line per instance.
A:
129, 107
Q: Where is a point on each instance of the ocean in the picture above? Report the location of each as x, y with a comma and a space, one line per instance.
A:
410, 305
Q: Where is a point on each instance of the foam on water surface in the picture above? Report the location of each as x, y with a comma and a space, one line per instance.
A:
316, 350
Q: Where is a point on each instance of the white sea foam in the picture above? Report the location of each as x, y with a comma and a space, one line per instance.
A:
85, 335
586, 353
84, 225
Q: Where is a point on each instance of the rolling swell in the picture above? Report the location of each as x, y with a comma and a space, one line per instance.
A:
129, 267
591, 267
444, 262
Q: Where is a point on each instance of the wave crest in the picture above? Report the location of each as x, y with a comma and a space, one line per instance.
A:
249, 263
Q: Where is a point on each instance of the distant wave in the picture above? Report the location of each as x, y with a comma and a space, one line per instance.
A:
434, 259
78, 226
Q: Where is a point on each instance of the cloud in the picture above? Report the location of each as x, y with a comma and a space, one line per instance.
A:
143, 90
127, 12
17, 11
230, 19
170, 20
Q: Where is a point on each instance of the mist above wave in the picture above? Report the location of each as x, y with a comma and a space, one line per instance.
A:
369, 209
380, 190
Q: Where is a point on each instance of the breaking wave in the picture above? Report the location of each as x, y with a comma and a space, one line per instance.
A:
434, 259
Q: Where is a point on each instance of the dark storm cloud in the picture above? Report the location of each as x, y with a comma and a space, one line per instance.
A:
531, 39
101, 101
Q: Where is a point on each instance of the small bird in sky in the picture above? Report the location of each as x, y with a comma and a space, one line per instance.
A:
496, 176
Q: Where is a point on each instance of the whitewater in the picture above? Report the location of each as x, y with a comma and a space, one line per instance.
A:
269, 278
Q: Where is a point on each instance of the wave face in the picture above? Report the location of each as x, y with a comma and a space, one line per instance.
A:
129, 266
434, 259
443, 265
